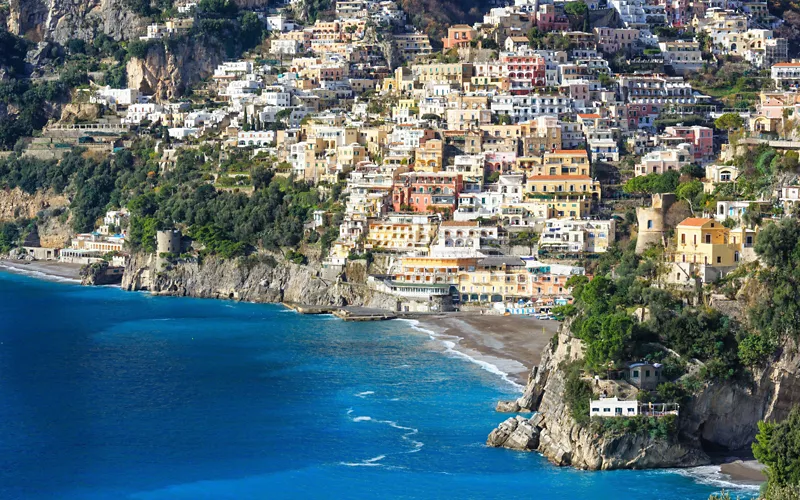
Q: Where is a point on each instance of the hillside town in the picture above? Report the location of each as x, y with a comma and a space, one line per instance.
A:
495, 168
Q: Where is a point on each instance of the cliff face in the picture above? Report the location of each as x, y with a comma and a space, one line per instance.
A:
16, 203
61, 20
166, 71
269, 279
554, 433
721, 416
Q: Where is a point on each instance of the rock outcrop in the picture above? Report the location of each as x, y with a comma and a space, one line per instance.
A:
80, 112
16, 203
721, 416
167, 70
100, 273
62, 20
263, 278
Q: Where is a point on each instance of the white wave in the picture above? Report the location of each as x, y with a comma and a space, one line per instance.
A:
39, 274
407, 435
713, 476
372, 462
450, 349
417, 445
364, 394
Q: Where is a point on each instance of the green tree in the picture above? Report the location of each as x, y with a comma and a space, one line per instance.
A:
9, 234
777, 446
729, 121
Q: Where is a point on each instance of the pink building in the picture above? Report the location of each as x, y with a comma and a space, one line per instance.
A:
702, 138
501, 162
422, 191
548, 20
459, 36
525, 73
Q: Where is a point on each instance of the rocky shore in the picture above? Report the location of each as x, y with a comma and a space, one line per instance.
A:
720, 416
260, 278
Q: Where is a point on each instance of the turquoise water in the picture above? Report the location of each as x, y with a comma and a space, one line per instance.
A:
108, 394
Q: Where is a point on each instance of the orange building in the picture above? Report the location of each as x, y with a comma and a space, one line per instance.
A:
459, 36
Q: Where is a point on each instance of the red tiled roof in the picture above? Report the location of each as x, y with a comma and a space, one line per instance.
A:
569, 152
463, 223
695, 221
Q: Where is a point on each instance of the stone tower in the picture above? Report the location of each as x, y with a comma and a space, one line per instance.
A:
651, 221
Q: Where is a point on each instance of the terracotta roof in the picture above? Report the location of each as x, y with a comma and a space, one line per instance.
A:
569, 152
589, 115
695, 221
786, 65
460, 223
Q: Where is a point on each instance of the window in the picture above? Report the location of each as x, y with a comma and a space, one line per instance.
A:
708, 238
683, 236
719, 260
635, 373
606, 410
647, 373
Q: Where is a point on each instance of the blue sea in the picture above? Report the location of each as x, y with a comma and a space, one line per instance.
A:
107, 394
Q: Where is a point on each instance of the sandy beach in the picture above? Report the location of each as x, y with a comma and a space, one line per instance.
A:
513, 344
744, 471
43, 269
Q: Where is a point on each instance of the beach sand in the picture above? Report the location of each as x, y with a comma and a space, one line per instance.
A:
43, 268
513, 344
744, 471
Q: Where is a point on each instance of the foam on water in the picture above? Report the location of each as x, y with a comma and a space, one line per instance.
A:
450, 348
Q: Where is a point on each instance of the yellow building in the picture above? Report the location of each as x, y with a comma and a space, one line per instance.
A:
350, 155
566, 195
495, 279
558, 162
431, 270
430, 156
441, 72
402, 232
708, 242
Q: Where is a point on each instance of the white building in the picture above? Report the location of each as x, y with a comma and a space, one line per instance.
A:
120, 97
658, 162
138, 112
683, 56
259, 138
786, 74
577, 236
613, 407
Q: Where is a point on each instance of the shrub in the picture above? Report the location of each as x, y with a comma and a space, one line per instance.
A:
577, 394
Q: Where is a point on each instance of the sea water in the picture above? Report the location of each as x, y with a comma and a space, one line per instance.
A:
109, 394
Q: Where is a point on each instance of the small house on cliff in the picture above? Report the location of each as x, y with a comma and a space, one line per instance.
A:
641, 375
615, 407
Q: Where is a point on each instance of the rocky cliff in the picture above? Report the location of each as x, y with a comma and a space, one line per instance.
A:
167, 70
720, 417
61, 20
264, 278
16, 203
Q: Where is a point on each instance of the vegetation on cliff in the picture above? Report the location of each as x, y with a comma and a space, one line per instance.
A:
777, 446
228, 222
775, 315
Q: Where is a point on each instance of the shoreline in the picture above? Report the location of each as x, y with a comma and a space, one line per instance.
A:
505, 346
49, 270
508, 346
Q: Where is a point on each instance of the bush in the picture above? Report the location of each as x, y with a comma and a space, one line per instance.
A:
659, 428
296, 257
755, 349
577, 394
